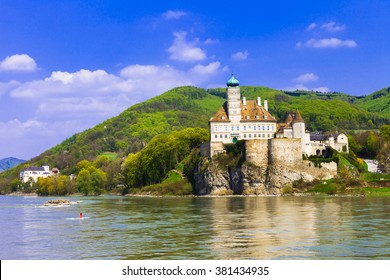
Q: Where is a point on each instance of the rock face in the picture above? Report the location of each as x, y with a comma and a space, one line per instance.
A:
262, 172
58, 202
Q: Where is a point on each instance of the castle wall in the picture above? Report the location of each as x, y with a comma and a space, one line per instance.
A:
256, 151
284, 151
217, 148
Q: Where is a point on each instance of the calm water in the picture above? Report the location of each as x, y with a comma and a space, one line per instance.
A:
196, 228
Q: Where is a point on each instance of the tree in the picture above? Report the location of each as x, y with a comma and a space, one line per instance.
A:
98, 181
84, 182
385, 131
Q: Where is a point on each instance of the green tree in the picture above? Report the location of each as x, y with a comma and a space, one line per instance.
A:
84, 184
98, 181
385, 131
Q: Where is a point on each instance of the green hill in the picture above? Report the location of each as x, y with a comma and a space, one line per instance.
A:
378, 102
187, 107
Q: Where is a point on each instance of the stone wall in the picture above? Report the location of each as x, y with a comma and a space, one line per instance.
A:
256, 151
284, 151
216, 148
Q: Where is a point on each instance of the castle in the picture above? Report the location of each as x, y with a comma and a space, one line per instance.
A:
241, 119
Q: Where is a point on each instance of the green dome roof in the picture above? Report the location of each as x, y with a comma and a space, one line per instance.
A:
233, 82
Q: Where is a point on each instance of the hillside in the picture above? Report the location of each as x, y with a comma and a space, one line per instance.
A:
378, 102
7, 163
187, 107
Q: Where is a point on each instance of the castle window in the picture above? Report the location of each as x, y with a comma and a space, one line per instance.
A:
220, 136
262, 127
267, 127
257, 117
238, 127
259, 135
223, 117
258, 127
215, 128
216, 136
232, 128
226, 129
263, 135
244, 127
254, 127
265, 117
244, 135
225, 135
250, 135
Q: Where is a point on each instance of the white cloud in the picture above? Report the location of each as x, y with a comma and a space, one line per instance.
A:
18, 62
68, 102
181, 50
311, 26
240, 56
333, 27
303, 87
328, 43
209, 69
306, 78
210, 41
173, 14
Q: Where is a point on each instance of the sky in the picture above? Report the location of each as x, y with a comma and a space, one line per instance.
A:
66, 66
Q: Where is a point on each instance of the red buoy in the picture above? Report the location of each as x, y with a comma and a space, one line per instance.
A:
81, 215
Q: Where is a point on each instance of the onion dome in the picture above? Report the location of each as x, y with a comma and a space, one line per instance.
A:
233, 82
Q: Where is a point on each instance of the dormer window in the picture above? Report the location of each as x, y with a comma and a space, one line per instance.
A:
257, 117
247, 117
265, 117
223, 118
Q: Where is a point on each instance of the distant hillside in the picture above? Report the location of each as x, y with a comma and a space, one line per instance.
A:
378, 102
186, 107
7, 163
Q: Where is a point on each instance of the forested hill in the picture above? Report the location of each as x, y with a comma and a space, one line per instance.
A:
185, 107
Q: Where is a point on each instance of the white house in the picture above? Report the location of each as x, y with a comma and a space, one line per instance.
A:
32, 173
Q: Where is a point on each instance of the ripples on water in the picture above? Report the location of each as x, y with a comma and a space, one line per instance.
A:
196, 228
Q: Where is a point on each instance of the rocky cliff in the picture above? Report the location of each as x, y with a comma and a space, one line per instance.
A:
212, 177
257, 169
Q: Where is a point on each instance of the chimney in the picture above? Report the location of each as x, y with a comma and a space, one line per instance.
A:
259, 101
244, 101
266, 105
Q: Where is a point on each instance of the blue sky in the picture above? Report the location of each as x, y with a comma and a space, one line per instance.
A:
68, 65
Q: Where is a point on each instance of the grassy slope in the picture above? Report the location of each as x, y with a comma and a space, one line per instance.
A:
378, 102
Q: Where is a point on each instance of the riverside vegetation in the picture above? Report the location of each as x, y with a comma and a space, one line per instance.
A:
150, 147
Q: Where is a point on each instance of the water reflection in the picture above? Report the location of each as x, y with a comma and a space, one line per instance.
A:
197, 228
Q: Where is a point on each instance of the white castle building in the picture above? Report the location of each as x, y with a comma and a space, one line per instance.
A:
32, 173
241, 119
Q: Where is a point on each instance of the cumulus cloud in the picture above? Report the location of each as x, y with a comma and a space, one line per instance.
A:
181, 50
209, 69
311, 26
304, 87
333, 27
240, 56
306, 78
173, 14
327, 43
18, 62
68, 102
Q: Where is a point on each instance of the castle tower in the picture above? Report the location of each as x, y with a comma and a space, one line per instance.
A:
299, 130
234, 100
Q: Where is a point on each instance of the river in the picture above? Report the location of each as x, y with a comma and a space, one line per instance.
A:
116, 227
